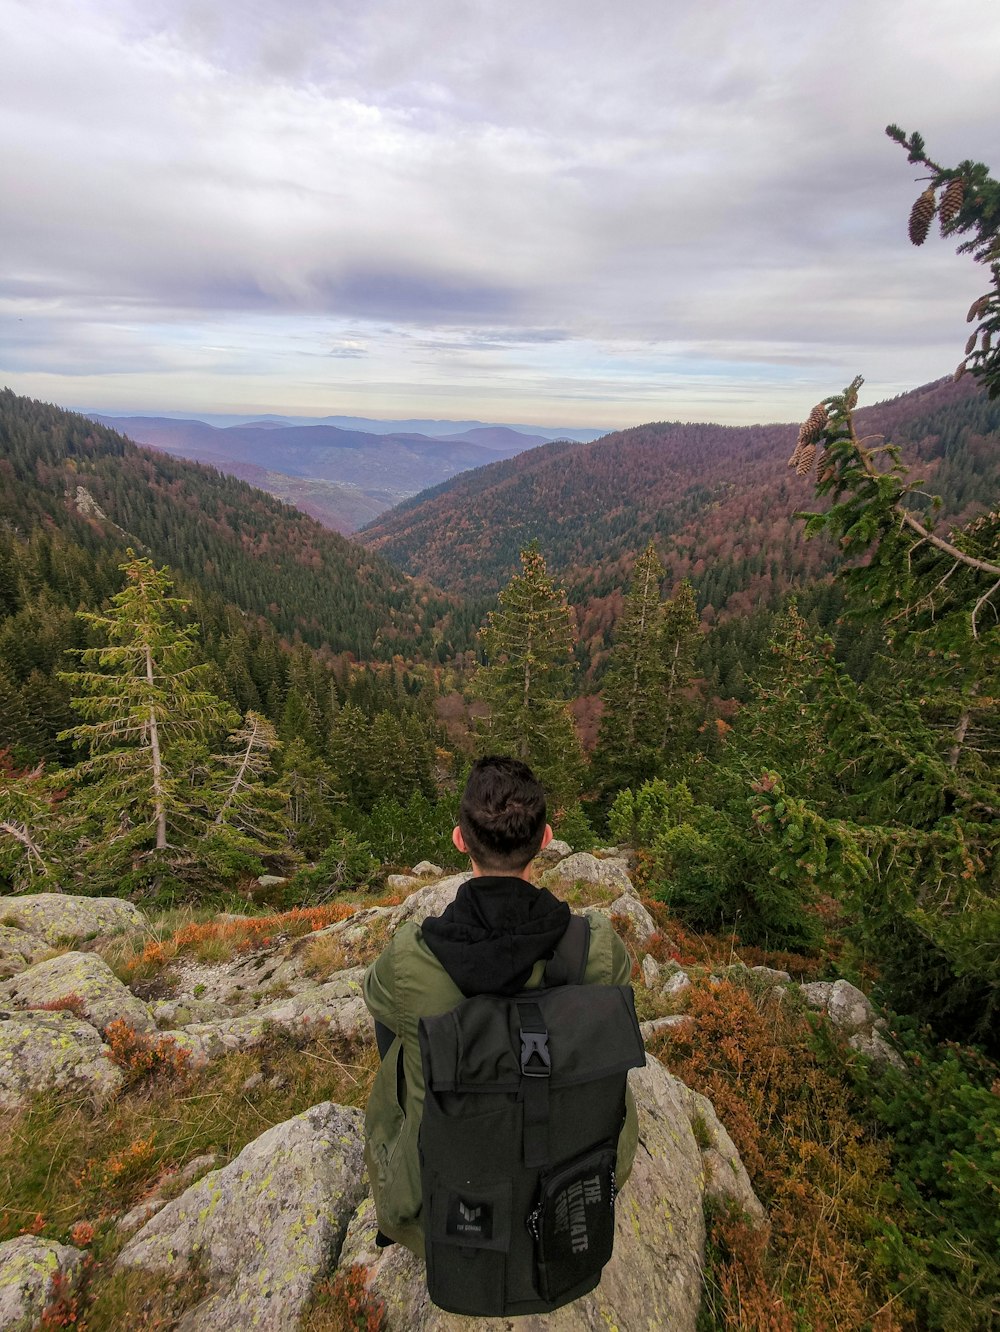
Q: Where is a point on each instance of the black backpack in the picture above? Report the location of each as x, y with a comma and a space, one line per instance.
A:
525, 1098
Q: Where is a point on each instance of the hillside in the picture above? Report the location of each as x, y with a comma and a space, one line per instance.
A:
718, 500
341, 477
62, 472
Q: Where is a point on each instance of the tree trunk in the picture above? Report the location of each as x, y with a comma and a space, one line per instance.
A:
159, 804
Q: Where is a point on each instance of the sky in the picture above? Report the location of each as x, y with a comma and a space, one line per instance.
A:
561, 212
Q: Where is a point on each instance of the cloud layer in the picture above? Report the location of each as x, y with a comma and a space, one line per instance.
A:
576, 213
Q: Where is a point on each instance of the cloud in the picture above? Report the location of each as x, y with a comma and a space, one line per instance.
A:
480, 184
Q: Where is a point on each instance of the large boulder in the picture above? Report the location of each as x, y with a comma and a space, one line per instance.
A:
52, 1051
29, 1267
102, 997
654, 1278
429, 901
58, 917
263, 1227
631, 909
585, 868
18, 949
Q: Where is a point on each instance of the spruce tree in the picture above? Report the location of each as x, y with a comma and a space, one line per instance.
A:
148, 717
681, 635
249, 801
631, 736
528, 645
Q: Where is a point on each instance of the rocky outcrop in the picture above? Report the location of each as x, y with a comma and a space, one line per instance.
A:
627, 907
18, 950
52, 1051
336, 1007
29, 1268
852, 1013
101, 996
263, 1227
429, 901
59, 917
585, 868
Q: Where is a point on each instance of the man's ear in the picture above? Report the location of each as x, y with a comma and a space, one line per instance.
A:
458, 841
546, 837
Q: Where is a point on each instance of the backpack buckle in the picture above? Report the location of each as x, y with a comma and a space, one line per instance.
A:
535, 1059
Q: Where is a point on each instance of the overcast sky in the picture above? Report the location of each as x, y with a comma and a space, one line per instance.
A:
563, 211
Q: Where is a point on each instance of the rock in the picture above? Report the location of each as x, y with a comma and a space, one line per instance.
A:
585, 868
631, 909
252, 1082
679, 1022
103, 998
848, 1008
18, 949
270, 880
138, 1215
770, 973
726, 1178
650, 972
28, 1267
401, 883
425, 868
429, 901
169, 1013
56, 917
817, 993
265, 1226
52, 1050
653, 1280
877, 1048
677, 984
556, 850
336, 1006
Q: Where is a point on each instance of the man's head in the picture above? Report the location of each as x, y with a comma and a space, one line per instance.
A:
501, 820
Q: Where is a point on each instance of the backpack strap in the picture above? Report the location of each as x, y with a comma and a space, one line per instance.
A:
568, 964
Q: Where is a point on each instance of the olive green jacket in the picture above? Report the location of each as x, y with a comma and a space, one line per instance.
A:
404, 984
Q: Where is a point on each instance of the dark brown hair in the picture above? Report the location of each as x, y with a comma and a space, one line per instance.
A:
502, 814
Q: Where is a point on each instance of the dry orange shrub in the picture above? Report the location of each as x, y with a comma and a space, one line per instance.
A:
816, 1168
242, 936
139, 1056
117, 1179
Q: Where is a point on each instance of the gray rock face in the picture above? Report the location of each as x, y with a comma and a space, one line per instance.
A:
650, 972
18, 949
875, 1047
28, 1266
52, 1050
426, 867
771, 973
264, 1226
429, 901
585, 868
653, 1281
55, 917
336, 1006
630, 908
677, 984
556, 850
853, 1013
676, 1022
103, 997
848, 1008
726, 1178
401, 883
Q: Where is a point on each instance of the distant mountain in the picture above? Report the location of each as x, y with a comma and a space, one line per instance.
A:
341, 477
718, 500
63, 473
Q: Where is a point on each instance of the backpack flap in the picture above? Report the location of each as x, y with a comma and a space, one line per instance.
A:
525, 1098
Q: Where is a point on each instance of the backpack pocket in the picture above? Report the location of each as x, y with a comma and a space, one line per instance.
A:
466, 1244
574, 1222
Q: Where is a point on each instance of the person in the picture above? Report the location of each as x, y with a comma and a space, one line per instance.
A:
494, 938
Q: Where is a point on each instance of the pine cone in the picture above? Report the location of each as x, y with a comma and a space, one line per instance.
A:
972, 342
814, 425
959, 372
951, 200
920, 217
805, 460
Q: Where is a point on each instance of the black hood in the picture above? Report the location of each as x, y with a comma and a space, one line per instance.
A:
497, 928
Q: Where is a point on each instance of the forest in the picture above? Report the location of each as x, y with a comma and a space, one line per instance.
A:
790, 715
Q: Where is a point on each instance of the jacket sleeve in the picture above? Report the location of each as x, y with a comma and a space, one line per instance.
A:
380, 991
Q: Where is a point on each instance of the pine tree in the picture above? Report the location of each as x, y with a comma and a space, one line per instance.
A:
29, 825
249, 800
528, 644
148, 718
631, 736
681, 637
